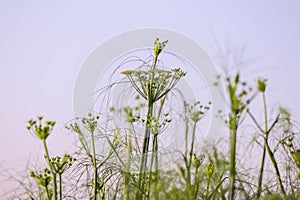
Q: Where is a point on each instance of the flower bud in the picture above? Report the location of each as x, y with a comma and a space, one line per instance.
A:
196, 162
159, 46
261, 84
209, 169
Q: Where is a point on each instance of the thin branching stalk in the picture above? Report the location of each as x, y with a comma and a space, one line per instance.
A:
145, 149
237, 106
261, 170
95, 169
207, 188
148, 130
196, 184
154, 158
60, 185
128, 164
127, 179
232, 170
54, 181
261, 84
189, 184
47, 193
275, 165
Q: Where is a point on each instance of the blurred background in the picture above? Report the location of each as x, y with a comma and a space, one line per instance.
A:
44, 44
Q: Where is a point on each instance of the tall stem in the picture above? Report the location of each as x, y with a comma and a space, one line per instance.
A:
207, 188
148, 130
47, 193
94, 160
60, 186
154, 158
128, 164
143, 163
196, 184
270, 153
188, 182
232, 170
54, 183
261, 171
274, 162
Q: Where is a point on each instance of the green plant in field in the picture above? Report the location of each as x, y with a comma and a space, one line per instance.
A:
153, 85
216, 188
266, 130
209, 173
118, 150
42, 132
60, 166
87, 130
193, 114
56, 165
43, 180
237, 106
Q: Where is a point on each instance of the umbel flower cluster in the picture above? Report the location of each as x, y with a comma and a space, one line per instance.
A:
154, 83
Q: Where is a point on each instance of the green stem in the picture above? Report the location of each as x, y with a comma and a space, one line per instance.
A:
196, 184
54, 183
148, 130
232, 170
95, 167
269, 151
154, 158
186, 135
60, 186
127, 175
261, 171
207, 188
47, 193
273, 160
156, 191
188, 182
143, 163
94, 160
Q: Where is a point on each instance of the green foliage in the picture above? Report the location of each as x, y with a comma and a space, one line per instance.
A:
129, 167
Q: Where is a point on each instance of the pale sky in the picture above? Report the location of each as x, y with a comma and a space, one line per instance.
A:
44, 44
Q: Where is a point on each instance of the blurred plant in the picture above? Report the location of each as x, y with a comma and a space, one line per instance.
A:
237, 106
112, 173
42, 132
209, 173
56, 165
43, 181
86, 130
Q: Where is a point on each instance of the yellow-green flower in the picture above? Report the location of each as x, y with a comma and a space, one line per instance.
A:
159, 46
261, 84
196, 162
209, 169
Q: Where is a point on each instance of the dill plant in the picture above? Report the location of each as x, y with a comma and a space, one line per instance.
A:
237, 107
56, 165
109, 174
266, 130
153, 85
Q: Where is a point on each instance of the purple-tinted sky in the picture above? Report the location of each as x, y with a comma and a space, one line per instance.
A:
43, 45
